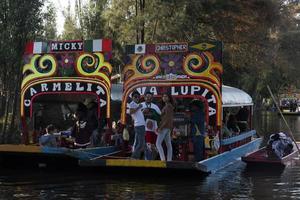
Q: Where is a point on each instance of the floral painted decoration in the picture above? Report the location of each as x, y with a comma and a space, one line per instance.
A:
171, 63
66, 65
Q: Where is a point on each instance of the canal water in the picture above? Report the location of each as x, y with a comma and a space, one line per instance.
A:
233, 182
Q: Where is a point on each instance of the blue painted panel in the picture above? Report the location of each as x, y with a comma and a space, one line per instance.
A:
238, 137
82, 154
222, 160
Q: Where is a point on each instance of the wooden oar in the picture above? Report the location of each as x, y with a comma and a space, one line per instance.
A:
290, 131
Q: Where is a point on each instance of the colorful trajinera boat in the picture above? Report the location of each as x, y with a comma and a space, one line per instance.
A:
58, 75
188, 72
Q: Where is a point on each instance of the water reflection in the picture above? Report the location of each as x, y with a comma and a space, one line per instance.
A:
234, 182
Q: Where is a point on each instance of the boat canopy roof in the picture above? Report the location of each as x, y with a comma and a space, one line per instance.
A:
232, 97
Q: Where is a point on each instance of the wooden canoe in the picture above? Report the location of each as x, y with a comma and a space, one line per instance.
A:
260, 158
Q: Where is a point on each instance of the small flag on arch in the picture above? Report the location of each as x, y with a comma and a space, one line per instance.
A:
99, 45
139, 48
36, 47
136, 49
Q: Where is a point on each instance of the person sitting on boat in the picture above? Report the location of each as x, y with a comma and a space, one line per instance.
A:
165, 128
135, 110
152, 115
279, 145
198, 128
117, 136
232, 124
48, 139
242, 118
81, 131
225, 131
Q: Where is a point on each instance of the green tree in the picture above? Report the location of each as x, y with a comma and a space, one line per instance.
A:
91, 18
49, 23
20, 22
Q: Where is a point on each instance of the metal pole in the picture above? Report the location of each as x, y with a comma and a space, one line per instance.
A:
290, 131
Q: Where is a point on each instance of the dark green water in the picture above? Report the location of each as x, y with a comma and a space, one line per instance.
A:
233, 182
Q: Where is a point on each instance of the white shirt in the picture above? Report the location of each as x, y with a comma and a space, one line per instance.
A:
153, 123
138, 116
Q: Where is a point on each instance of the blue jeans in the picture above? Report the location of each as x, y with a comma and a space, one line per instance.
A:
198, 144
165, 135
139, 142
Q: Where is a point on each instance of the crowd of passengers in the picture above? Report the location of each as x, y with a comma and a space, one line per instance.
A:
152, 126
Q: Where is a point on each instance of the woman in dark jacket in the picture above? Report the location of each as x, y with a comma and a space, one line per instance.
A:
198, 129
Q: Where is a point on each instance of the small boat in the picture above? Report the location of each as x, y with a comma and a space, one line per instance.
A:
287, 112
289, 106
260, 158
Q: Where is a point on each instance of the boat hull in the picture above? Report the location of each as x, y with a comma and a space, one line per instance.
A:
206, 166
259, 158
33, 156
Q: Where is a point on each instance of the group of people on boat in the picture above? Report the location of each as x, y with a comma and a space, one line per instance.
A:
292, 105
83, 133
154, 124
152, 129
153, 134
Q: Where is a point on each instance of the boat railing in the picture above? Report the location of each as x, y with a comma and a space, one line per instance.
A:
239, 137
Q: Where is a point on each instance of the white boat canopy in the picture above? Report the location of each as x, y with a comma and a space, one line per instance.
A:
233, 97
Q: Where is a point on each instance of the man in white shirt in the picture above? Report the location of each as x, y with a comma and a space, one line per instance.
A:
135, 110
152, 114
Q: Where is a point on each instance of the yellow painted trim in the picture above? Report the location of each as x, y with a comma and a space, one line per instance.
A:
35, 74
20, 148
136, 163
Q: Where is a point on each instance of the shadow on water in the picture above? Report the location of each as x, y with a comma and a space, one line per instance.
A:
90, 185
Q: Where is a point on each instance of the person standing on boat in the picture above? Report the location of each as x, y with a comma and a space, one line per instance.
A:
232, 124
165, 128
81, 131
242, 118
93, 122
198, 128
152, 115
49, 139
135, 110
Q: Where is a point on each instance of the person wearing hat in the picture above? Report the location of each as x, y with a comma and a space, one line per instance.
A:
197, 123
